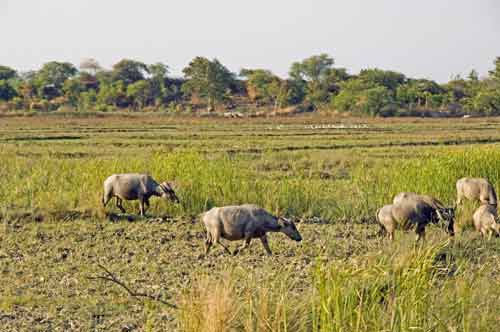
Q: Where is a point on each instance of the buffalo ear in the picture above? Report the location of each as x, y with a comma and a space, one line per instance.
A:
166, 186
284, 222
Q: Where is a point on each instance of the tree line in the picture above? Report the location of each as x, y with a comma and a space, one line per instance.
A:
207, 85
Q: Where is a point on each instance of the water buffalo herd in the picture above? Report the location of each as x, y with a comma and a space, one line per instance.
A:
410, 210
246, 222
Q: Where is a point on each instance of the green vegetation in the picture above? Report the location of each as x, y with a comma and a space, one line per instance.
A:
328, 176
207, 85
207, 79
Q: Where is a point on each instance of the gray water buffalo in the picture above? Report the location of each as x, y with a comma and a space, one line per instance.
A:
414, 213
244, 222
136, 187
476, 189
442, 213
486, 220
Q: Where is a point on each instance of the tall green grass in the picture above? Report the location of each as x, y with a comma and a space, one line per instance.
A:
410, 290
205, 181
63, 184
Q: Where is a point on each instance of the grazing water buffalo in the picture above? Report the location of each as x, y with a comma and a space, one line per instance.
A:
244, 222
486, 220
476, 189
442, 213
413, 213
136, 186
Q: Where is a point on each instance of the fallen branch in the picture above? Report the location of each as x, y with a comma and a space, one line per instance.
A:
112, 278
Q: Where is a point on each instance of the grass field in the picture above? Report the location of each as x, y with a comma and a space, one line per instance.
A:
330, 175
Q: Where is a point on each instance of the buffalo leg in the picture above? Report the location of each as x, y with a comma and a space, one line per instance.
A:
216, 239
265, 243
142, 209
497, 229
119, 205
245, 245
488, 233
208, 244
483, 232
224, 246
420, 233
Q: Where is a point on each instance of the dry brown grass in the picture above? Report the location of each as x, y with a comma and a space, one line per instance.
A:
210, 305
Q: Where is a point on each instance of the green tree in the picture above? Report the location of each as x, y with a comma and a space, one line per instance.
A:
157, 81
7, 73
419, 93
112, 94
362, 98
296, 91
486, 101
389, 79
483, 96
459, 91
314, 72
264, 87
140, 93
27, 91
173, 90
129, 71
375, 100
50, 79
72, 89
207, 79
473, 76
104, 77
87, 100
335, 77
495, 73
7, 91
158, 71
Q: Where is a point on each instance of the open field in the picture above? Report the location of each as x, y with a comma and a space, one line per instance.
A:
330, 175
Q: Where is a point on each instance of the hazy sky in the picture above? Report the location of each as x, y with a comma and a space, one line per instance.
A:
425, 38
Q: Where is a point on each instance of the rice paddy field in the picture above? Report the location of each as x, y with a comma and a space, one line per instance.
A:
66, 264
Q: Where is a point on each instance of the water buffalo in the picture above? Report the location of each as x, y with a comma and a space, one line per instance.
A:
442, 213
409, 214
136, 186
244, 222
486, 220
476, 189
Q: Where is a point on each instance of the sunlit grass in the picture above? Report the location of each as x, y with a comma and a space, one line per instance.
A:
342, 277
